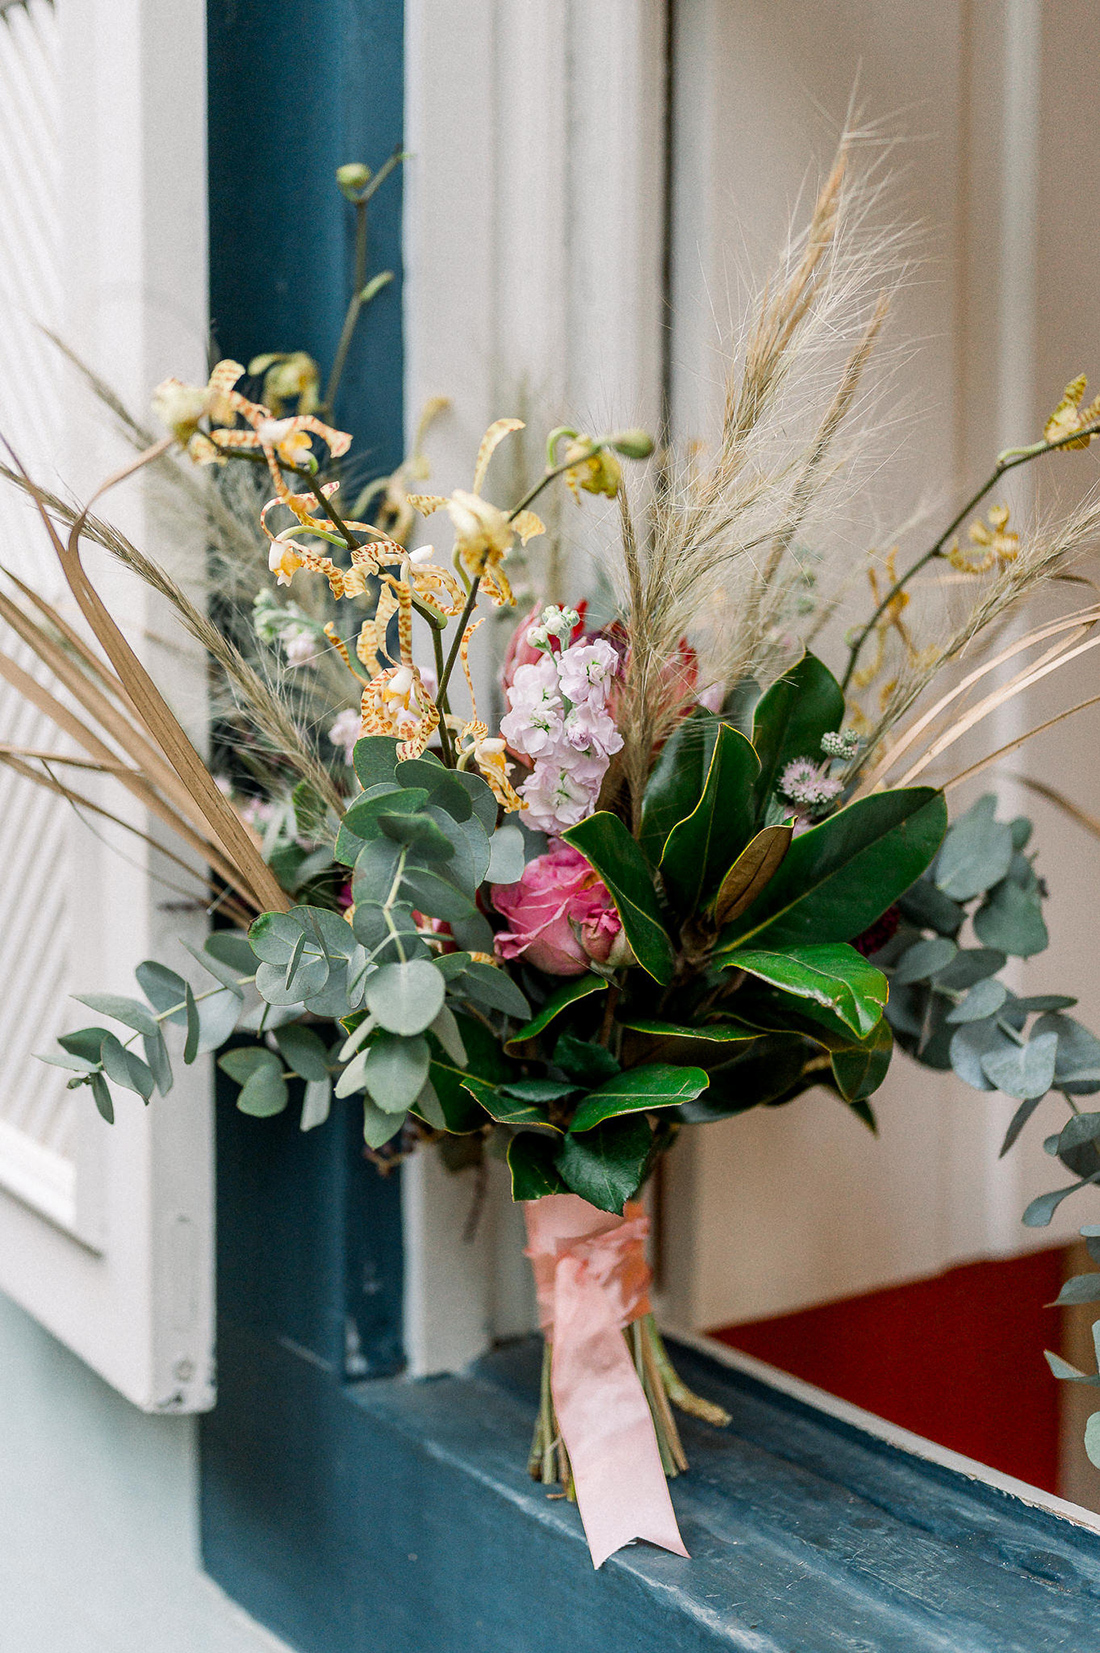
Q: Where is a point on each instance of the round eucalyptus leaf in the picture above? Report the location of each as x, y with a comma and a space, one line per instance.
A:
984, 999
406, 998
274, 936
976, 853
1023, 1071
923, 960
379, 1126
264, 1093
396, 1071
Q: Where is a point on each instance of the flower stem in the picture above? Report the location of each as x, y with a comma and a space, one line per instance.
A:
1006, 461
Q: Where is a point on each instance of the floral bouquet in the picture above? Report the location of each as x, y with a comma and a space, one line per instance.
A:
692, 872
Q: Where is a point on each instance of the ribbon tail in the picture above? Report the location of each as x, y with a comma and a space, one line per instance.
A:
605, 1421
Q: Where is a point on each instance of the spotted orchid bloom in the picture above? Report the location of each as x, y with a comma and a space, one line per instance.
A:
596, 473
473, 741
484, 534
395, 699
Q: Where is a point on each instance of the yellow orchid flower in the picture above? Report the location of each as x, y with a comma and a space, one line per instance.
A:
994, 544
289, 376
1069, 415
395, 699
484, 534
473, 741
596, 473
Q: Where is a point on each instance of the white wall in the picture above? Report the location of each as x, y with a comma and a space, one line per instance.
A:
98, 1541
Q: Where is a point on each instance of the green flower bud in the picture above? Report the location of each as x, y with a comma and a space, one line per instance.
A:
353, 177
632, 444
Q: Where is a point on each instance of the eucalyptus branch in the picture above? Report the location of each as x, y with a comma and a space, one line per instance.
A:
1006, 461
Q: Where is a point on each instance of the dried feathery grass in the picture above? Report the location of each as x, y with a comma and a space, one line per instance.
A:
718, 558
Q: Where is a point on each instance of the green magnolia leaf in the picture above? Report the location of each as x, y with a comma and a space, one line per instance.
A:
607, 1165
316, 1103
700, 849
406, 998
860, 1069
1023, 1071
759, 1074
485, 984
131, 1012
607, 845
101, 1093
653, 1085
506, 859
714, 1032
531, 1162
450, 1078
676, 781
578, 987
791, 717
375, 759
984, 999
833, 975
505, 1110
395, 1070
841, 875
976, 852
1011, 918
378, 1125
587, 1063
165, 990
303, 1051
923, 960
755, 867
539, 1092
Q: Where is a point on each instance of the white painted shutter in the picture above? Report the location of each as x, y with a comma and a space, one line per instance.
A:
105, 1232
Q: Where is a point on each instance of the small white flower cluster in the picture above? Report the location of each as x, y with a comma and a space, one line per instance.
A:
287, 624
345, 732
845, 743
558, 716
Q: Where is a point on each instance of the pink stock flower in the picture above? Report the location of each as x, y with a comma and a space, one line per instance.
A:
560, 915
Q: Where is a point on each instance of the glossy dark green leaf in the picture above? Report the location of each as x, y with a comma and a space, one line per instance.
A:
539, 1092
375, 759
714, 1032
841, 875
582, 1060
504, 1109
653, 1085
577, 987
760, 1073
531, 1162
483, 1061
860, 1070
833, 975
701, 849
675, 783
607, 1165
605, 842
976, 852
790, 719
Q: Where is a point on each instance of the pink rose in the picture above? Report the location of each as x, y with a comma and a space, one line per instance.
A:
560, 916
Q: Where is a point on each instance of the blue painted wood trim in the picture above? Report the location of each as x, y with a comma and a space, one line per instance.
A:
409, 1523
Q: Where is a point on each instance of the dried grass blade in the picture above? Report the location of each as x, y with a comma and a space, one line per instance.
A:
1091, 823
1003, 751
1084, 618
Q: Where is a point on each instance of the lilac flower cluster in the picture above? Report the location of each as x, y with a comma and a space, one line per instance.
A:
558, 716
804, 782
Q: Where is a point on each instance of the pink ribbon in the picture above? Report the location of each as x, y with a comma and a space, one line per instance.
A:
592, 1280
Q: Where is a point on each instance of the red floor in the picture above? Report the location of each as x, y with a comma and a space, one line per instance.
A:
958, 1358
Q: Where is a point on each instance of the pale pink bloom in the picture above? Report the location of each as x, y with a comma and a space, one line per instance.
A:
560, 915
300, 647
590, 727
586, 669
345, 732
556, 797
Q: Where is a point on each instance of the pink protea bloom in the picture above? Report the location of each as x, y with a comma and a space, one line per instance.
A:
560, 916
